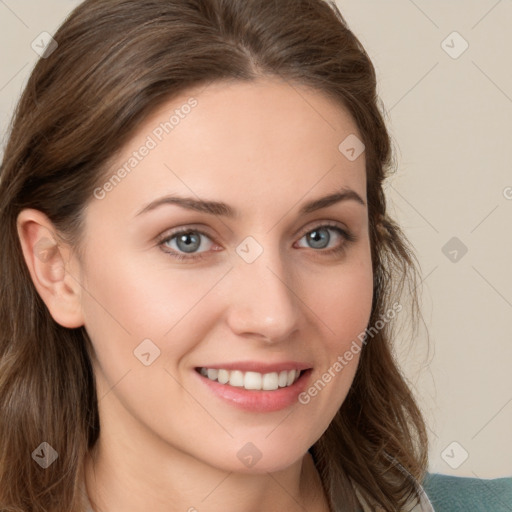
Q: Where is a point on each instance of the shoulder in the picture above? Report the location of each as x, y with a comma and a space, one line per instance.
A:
454, 494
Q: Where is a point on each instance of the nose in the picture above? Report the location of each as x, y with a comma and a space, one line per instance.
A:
264, 298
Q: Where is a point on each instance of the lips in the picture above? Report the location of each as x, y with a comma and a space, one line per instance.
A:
256, 387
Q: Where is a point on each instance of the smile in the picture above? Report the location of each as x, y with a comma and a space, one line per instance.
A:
253, 381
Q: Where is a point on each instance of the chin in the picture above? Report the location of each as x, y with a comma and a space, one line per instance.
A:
261, 456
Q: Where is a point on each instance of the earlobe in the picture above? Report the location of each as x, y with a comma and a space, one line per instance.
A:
48, 262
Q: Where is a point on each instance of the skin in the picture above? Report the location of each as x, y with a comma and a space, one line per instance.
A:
264, 148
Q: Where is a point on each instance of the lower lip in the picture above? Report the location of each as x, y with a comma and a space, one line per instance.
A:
258, 401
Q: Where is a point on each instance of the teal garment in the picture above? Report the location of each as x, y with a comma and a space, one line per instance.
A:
461, 494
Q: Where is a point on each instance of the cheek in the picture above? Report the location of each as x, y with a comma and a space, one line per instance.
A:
127, 302
342, 299
342, 302
140, 300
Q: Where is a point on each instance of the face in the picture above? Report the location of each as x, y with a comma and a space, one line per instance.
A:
218, 292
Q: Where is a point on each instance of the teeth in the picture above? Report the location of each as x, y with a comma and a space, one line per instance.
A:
236, 379
252, 380
282, 380
270, 381
223, 377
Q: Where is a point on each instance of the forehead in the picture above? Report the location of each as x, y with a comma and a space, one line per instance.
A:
241, 140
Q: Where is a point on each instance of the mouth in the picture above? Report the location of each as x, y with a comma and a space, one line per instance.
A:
252, 381
256, 387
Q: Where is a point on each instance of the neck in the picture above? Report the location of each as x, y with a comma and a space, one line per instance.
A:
130, 478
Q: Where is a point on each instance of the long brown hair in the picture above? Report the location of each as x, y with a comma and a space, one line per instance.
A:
116, 62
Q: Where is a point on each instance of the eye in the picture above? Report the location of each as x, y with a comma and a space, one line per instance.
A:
320, 237
184, 244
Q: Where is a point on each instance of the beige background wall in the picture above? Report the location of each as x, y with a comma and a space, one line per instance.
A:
450, 114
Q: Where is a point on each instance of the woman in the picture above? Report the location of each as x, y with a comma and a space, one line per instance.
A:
199, 276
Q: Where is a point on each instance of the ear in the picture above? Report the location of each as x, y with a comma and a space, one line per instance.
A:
53, 269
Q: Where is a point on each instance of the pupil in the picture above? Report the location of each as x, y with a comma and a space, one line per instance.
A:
317, 237
190, 244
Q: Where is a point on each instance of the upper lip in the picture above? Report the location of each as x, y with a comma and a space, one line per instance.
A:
260, 367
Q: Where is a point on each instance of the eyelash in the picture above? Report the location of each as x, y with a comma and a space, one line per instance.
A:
167, 237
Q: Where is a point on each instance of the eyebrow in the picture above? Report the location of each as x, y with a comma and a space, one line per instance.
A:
224, 210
